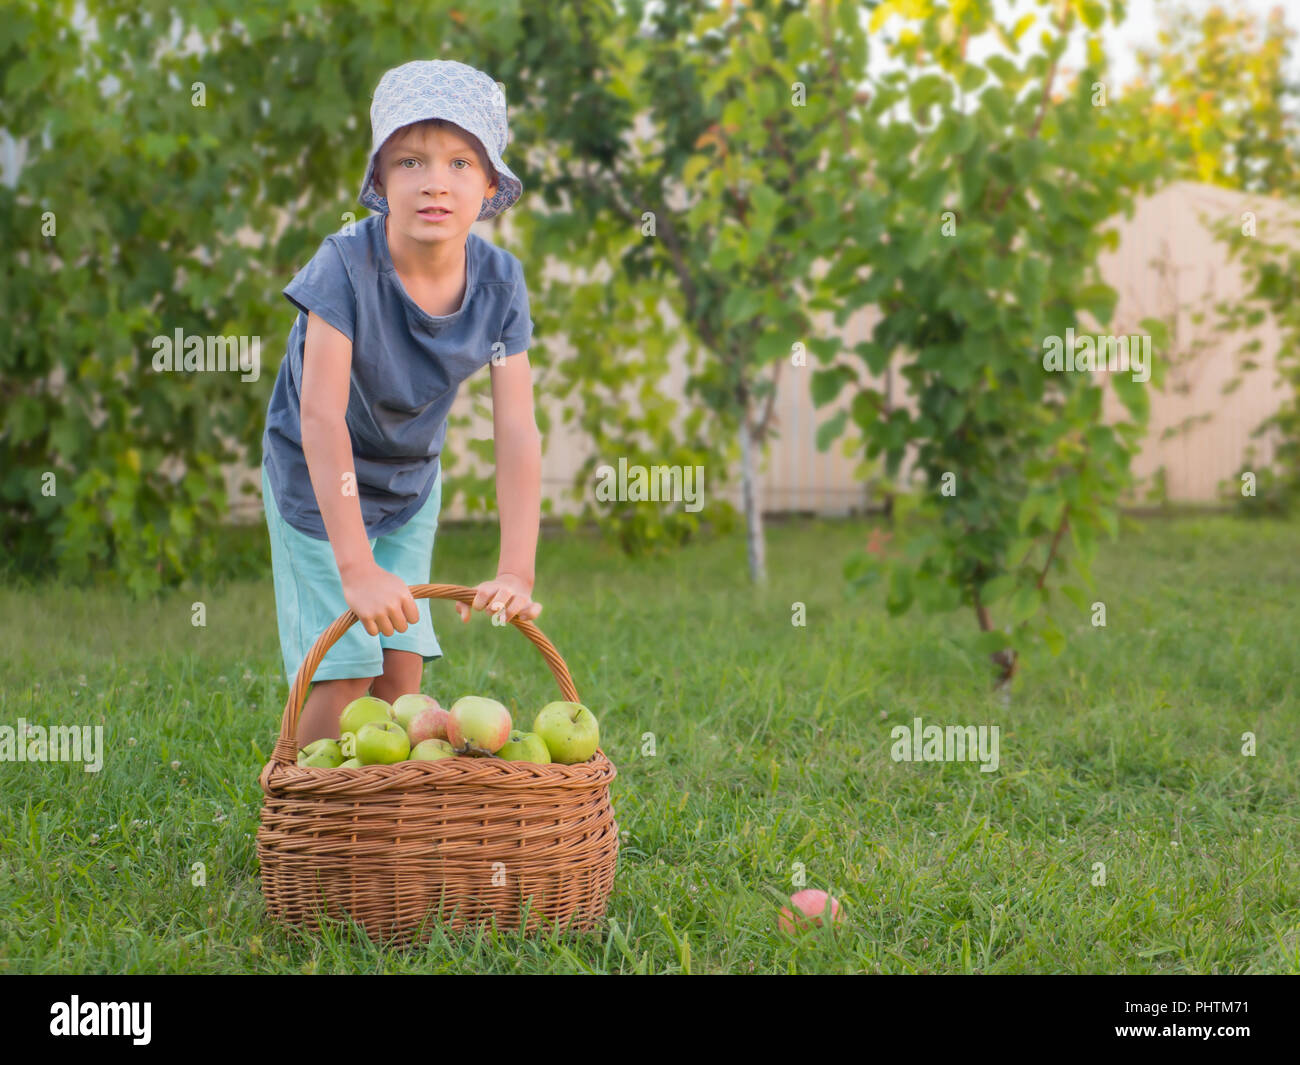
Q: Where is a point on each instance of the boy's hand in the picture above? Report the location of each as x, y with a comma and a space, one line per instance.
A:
381, 600
507, 593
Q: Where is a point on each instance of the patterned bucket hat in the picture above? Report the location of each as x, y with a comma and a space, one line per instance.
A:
442, 88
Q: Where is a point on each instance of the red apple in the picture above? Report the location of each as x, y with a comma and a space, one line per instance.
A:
407, 707
477, 725
811, 904
430, 724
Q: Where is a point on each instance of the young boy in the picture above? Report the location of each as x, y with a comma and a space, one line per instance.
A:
391, 319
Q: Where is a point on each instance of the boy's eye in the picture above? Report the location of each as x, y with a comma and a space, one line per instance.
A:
408, 159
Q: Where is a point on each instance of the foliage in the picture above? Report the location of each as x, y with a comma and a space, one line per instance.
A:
162, 143
980, 227
1270, 257
178, 165
688, 174
1218, 93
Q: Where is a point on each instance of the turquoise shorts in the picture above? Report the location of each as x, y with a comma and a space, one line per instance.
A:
309, 592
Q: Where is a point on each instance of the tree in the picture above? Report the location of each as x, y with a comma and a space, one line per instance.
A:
749, 112
989, 189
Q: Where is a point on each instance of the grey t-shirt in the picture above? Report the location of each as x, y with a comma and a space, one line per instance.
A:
407, 367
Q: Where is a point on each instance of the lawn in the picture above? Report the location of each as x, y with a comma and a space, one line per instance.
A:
772, 753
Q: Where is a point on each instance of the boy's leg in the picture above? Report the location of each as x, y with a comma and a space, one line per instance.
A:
402, 672
308, 597
408, 552
325, 702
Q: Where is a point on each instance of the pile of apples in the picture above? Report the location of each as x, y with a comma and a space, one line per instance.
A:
416, 729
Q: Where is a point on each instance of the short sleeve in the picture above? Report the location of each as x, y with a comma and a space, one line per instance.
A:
517, 329
324, 288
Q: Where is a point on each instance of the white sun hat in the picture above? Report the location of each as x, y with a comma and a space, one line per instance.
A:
442, 88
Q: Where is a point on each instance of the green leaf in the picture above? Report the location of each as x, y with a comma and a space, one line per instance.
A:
1053, 637
1092, 13
1019, 550
866, 408
972, 77
997, 589
876, 355
1030, 508
1133, 394
827, 384
1024, 604
799, 34
1077, 596
1098, 299
830, 430
899, 598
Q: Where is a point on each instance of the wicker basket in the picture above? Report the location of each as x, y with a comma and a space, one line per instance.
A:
461, 841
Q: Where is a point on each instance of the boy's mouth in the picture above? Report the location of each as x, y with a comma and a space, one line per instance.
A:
434, 213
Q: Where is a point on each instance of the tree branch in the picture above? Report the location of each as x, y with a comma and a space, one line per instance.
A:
1033, 130
1056, 540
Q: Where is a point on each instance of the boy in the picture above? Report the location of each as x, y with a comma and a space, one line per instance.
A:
392, 318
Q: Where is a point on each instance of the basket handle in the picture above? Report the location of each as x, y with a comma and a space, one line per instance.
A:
286, 750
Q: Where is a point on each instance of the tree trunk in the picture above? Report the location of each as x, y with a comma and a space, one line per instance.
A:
889, 406
753, 509
1006, 659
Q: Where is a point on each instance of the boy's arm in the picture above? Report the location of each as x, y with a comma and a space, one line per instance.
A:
518, 448
381, 600
326, 378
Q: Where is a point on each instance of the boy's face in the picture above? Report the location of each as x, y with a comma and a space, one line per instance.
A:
420, 168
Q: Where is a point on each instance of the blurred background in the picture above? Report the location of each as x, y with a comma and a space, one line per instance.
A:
705, 198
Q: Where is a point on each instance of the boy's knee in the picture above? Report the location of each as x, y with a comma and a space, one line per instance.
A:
349, 686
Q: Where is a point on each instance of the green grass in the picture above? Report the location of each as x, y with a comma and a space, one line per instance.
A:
773, 749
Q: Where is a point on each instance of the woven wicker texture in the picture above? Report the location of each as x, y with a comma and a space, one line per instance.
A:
461, 841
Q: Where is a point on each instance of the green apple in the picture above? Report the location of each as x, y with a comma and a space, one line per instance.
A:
569, 731
382, 743
525, 747
321, 754
476, 725
408, 707
351, 763
363, 711
431, 751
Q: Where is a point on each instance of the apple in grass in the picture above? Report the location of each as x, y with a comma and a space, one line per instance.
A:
525, 747
569, 731
321, 754
477, 725
407, 708
811, 905
431, 751
382, 743
362, 712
